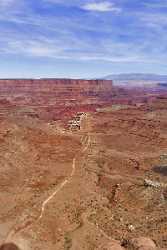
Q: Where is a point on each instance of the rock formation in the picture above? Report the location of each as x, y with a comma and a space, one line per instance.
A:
52, 99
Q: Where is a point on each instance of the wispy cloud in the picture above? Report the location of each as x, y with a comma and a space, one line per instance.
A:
91, 32
101, 7
156, 22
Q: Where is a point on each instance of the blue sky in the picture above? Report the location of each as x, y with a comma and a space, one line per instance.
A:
82, 38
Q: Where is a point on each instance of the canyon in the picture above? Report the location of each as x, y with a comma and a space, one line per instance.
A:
83, 165
52, 99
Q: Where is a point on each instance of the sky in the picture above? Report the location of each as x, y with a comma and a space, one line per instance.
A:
82, 38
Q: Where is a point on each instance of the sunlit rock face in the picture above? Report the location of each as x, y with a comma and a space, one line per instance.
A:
51, 99
57, 87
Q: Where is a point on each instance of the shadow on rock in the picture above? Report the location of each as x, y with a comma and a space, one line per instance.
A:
9, 246
160, 170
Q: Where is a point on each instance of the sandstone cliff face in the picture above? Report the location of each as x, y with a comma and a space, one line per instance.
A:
58, 86
52, 98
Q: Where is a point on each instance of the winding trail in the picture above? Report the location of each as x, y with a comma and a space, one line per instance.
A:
66, 181
44, 204
58, 189
28, 223
88, 143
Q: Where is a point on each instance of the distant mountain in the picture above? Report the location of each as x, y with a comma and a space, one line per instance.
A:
136, 76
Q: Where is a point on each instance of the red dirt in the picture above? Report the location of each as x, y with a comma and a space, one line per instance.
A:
104, 201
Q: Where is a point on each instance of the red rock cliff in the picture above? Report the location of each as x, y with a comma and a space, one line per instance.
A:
57, 85
53, 95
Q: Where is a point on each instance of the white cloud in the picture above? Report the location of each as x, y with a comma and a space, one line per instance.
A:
33, 47
101, 7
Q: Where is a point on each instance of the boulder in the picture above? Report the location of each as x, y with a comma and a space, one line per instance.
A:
142, 243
